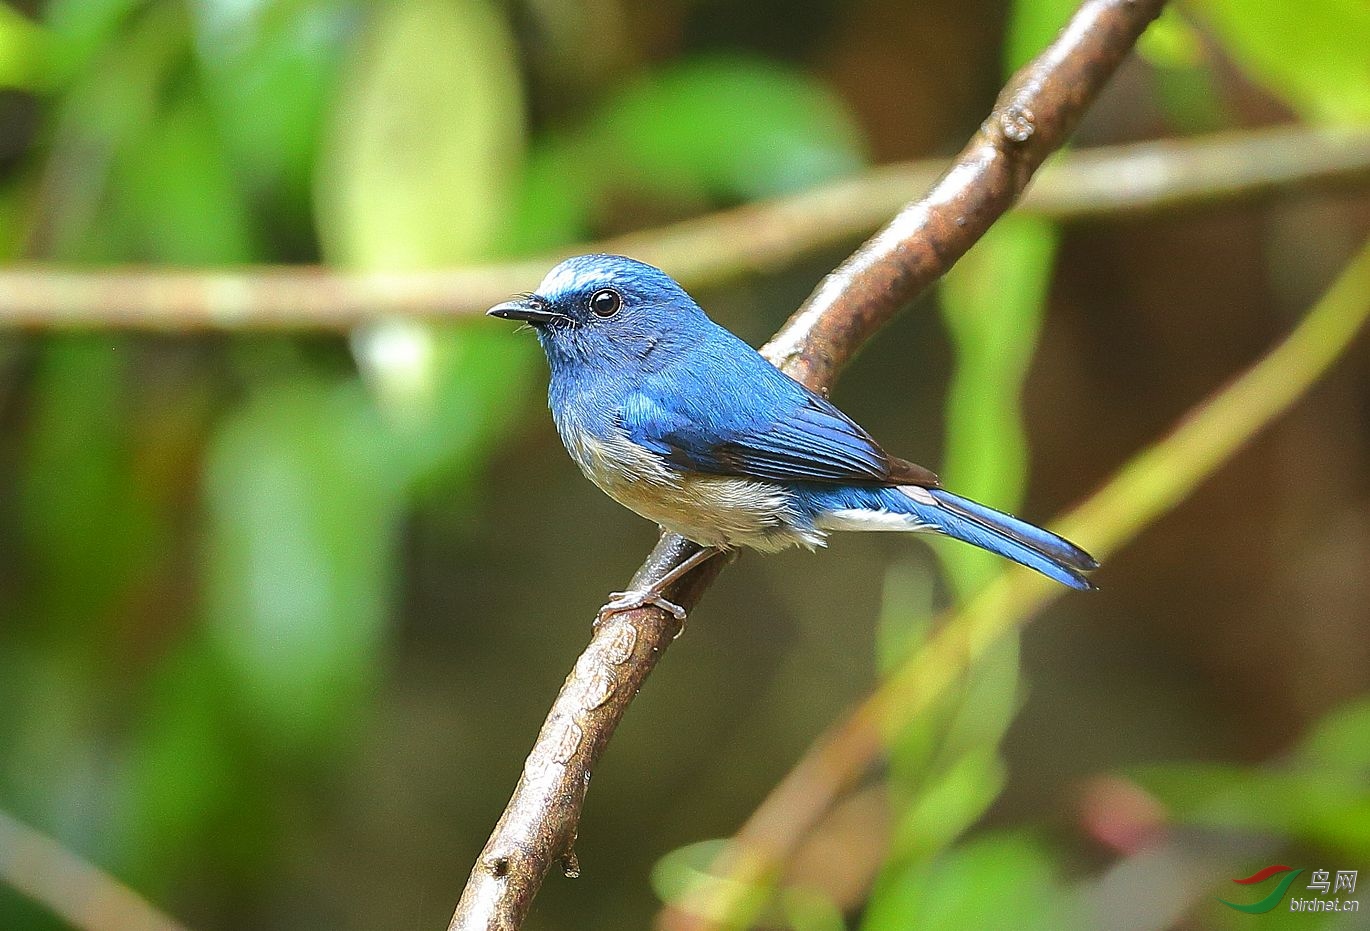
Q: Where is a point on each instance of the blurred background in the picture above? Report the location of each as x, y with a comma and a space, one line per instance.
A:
280, 614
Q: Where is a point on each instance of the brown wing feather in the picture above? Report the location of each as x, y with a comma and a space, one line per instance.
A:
903, 472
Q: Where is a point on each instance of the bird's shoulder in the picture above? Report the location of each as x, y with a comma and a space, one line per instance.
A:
719, 383
726, 410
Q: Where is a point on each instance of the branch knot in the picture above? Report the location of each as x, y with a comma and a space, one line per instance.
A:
1017, 123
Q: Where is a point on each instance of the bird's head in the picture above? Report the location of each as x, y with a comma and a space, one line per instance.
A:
608, 311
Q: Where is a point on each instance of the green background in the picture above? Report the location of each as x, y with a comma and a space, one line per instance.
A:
280, 614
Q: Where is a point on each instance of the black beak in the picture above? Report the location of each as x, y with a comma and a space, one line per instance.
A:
531, 309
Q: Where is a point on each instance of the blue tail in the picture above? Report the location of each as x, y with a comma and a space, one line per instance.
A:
856, 507
1051, 555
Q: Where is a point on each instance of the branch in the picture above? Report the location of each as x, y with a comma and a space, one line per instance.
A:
1141, 178
1149, 486
1034, 115
77, 891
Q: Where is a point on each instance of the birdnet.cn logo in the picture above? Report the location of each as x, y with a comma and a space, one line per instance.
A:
1324, 892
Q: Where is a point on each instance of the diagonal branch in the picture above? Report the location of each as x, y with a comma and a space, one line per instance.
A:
74, 889
1147, 487
1033, 117
1139, 178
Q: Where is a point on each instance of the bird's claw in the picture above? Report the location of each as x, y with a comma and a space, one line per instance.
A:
631, 601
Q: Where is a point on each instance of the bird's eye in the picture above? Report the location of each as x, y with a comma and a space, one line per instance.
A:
605, 302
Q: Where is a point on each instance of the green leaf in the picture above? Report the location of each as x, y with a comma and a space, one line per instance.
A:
175, 195
24, 51
1183, 82
1323, 807
426, 147
945, 769
180, 777
731, 127
1032, 24
461, 406
84, 513
704, 131
1171, 41
83, 30
1320, 795
682, 869
269, 70
993, 302
682, 877
1000, 881
426, 141
905, 615
15, 197
46, 705
1311, 54
114, 95
555, 200
970, 722
948, 801
1341, 740
302, 511
810, 910
987, 702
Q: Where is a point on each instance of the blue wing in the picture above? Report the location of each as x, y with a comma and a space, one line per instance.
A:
736, 414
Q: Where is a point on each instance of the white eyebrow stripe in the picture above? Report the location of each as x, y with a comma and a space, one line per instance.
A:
572, 276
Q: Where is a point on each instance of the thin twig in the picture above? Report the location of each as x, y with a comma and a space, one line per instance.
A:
77, 891
1034, 115
1146, 488
1141, 178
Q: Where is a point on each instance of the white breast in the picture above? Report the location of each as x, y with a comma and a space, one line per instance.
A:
711, 510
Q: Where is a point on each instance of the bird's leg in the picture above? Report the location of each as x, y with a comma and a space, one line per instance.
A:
655, 594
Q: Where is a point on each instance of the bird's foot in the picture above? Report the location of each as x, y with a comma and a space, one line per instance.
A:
631, 601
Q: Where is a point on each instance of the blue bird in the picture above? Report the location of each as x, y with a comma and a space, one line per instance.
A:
679, 420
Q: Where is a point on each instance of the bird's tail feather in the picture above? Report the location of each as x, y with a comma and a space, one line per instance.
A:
1004, 534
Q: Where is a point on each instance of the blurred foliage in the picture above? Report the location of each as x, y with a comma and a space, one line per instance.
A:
1185, 83
946, 768
22, 53
424, 144
993, 303
997, 881
207, 540
1311, 54
1318, 796
713, 130
374, 136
